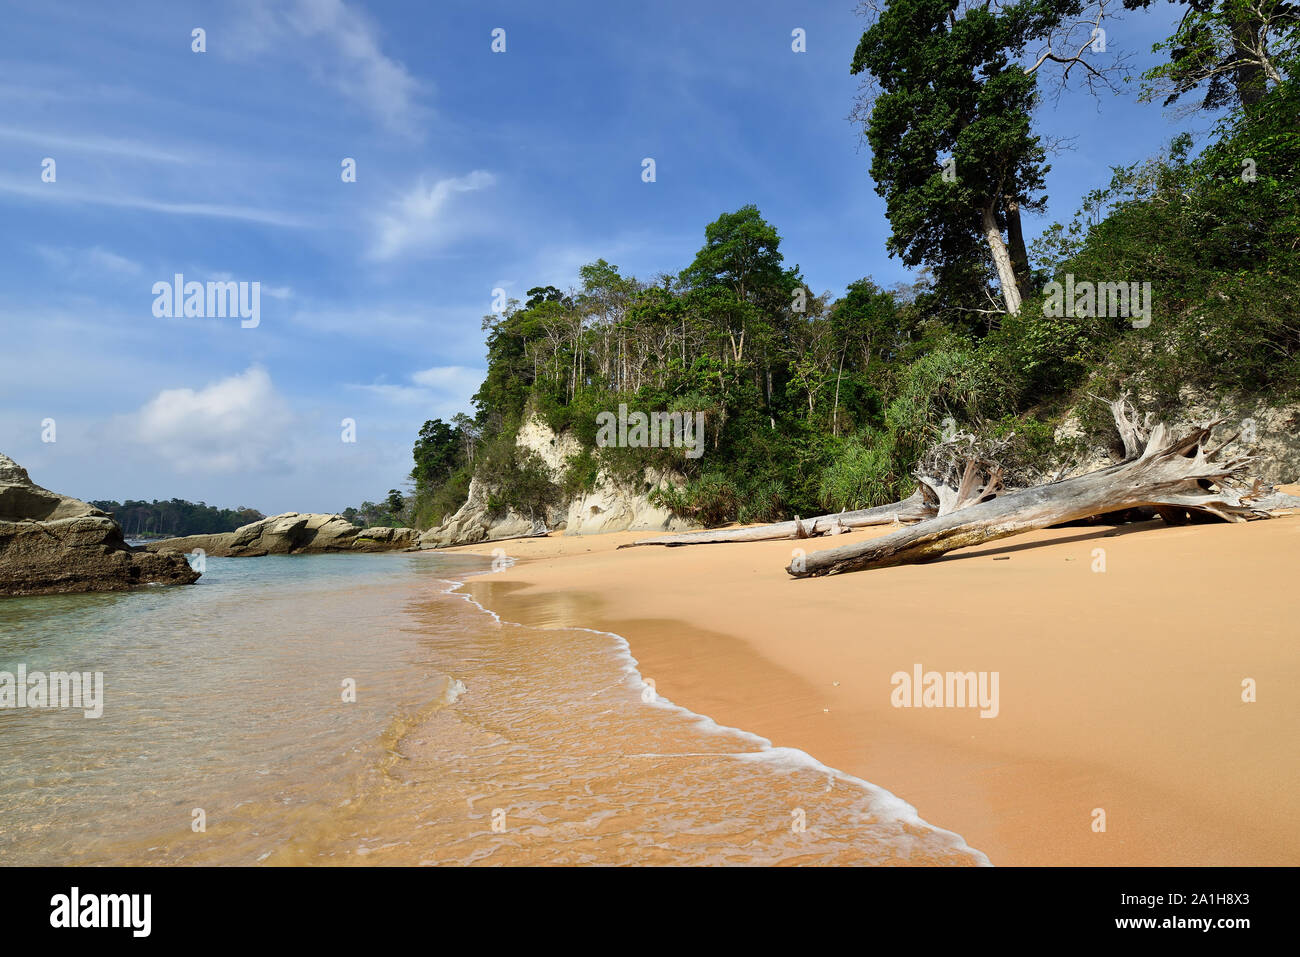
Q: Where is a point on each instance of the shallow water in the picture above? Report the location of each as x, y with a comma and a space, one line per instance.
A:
470, 740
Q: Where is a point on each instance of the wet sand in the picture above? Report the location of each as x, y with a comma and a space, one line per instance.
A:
1120, 691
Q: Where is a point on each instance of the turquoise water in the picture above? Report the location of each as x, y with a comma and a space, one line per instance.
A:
223, 695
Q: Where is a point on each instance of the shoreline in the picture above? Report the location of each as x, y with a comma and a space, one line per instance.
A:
1119, 691
885, 803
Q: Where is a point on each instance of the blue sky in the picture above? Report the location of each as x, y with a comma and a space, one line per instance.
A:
475, 170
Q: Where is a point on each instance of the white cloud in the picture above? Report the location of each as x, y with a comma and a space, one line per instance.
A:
360, 70
394, 393
448, 377
418, 217
237, 424
444, 390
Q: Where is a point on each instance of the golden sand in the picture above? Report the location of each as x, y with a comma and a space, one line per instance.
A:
1121, 691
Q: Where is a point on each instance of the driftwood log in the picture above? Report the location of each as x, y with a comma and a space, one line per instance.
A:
1174, 475
954, 474
912, 509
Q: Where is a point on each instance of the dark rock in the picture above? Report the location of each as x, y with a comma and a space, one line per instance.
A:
50, 543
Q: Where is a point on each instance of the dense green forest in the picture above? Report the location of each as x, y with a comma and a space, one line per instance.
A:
814, 402
159, 519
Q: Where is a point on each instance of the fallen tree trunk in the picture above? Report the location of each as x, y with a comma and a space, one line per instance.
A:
1178, 474
912, 509
954, 474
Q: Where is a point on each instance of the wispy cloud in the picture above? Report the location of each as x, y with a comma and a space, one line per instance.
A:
96, 260
55, 192
357, 67
448, 377
109, 261
419, 218
134, 149
394, 392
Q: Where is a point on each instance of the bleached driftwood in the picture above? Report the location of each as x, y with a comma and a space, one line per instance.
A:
1135, 433
1178, 474
961, 472
954, 474
912, 509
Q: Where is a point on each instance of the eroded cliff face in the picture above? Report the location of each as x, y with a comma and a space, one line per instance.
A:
609, 507
1268, 431
292, 533
50, 543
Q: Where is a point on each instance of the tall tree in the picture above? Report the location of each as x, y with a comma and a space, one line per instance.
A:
603, 304
738, 279
1235, 49
947, 116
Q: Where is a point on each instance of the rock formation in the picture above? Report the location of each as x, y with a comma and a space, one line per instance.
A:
50, 543
609, 507
292, 533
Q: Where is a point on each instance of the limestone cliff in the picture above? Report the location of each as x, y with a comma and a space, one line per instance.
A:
610, 506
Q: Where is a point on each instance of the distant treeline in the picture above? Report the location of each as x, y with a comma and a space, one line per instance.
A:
159, 519
391, 512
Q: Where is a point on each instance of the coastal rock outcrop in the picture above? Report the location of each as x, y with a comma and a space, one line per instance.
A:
380, 538
614, 507
610, 506
477, 521
50, 544
292, 533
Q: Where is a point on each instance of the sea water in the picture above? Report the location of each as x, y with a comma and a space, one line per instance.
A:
355, 709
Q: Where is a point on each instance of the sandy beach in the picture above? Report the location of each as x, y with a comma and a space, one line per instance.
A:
1120, 690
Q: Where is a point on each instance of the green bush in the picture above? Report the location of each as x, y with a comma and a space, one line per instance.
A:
712, 499
863, 474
